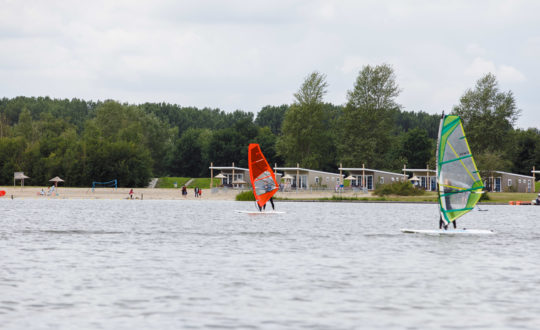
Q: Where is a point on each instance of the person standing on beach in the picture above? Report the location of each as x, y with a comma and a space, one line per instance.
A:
196, 190
184, 191
131, 193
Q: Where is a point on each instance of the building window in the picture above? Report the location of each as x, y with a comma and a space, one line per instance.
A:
519, 180
316, 180
381, 180
509, 182
392, 179
327, 179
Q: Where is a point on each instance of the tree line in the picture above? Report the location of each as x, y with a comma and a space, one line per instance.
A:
84, 141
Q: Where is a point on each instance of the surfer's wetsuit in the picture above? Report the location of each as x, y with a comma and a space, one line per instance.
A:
445, 226
267, 189
271, 200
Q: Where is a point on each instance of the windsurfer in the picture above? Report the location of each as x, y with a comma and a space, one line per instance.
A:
538, 200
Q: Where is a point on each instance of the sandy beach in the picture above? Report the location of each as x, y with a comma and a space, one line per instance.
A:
154, 193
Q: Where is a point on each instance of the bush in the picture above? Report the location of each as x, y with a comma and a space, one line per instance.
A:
398, 188
245, 196
485, 197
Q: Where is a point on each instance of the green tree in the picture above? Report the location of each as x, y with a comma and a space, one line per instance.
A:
417, 148
272, 117
306, 135
366, 124
490, 161
189, 154
488, 115
525, 152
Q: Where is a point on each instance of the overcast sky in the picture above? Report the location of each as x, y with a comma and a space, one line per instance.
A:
248, 54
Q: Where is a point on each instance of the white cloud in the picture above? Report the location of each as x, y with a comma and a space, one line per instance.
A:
510, 74
242, 54
475, 49
504, 73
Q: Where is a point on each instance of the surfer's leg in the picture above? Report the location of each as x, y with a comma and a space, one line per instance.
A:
272, 202
454, 222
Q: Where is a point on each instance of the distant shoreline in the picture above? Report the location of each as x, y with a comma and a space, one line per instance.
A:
221, 194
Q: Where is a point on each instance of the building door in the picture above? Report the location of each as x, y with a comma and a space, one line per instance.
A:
498, 184
433, 183
369, 182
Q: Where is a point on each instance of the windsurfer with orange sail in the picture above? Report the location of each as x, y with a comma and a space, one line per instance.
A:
263, 180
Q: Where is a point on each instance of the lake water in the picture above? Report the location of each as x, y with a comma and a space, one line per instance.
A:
120, 264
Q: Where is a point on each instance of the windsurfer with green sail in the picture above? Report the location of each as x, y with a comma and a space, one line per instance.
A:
458, 179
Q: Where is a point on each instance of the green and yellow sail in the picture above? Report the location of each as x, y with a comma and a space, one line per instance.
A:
460, 184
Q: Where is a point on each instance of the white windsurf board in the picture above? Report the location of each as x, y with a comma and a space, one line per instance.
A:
259, 212
449, 231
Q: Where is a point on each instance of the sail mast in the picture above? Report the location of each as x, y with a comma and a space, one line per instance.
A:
437, 163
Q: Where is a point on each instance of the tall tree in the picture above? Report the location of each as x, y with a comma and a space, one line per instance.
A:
305, 135
417, 148
488, 115
272, 117
366, 124
526, 150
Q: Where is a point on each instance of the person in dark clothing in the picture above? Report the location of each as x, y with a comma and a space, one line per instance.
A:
267, 188
442, 224
538, 200
271, 200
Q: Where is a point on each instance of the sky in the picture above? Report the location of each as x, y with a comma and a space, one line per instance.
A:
246, 54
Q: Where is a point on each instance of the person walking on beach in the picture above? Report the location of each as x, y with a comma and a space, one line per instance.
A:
196, 190
184, 191
131, 193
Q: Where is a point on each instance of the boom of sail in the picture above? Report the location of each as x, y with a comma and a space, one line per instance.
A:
262, 177
460, 184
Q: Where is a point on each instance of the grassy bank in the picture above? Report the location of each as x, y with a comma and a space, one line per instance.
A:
203, 183
168, 182
492, 198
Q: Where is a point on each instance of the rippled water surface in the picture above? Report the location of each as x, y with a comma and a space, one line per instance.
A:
77, 264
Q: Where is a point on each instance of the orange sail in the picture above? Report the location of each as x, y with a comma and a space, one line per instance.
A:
262, 177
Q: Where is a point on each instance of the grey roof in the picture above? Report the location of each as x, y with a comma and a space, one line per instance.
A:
302, 169
367, 169
418, 170
514, 174
227, 168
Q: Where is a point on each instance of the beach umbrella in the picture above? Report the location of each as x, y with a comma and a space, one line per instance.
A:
350, 177
20, 176
56, 179
220, 176
287, 177
414, 180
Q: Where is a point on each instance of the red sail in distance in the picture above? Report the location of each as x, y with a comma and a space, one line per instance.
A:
262, 177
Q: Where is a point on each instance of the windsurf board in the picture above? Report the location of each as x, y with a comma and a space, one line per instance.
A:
463, 231
259, 212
